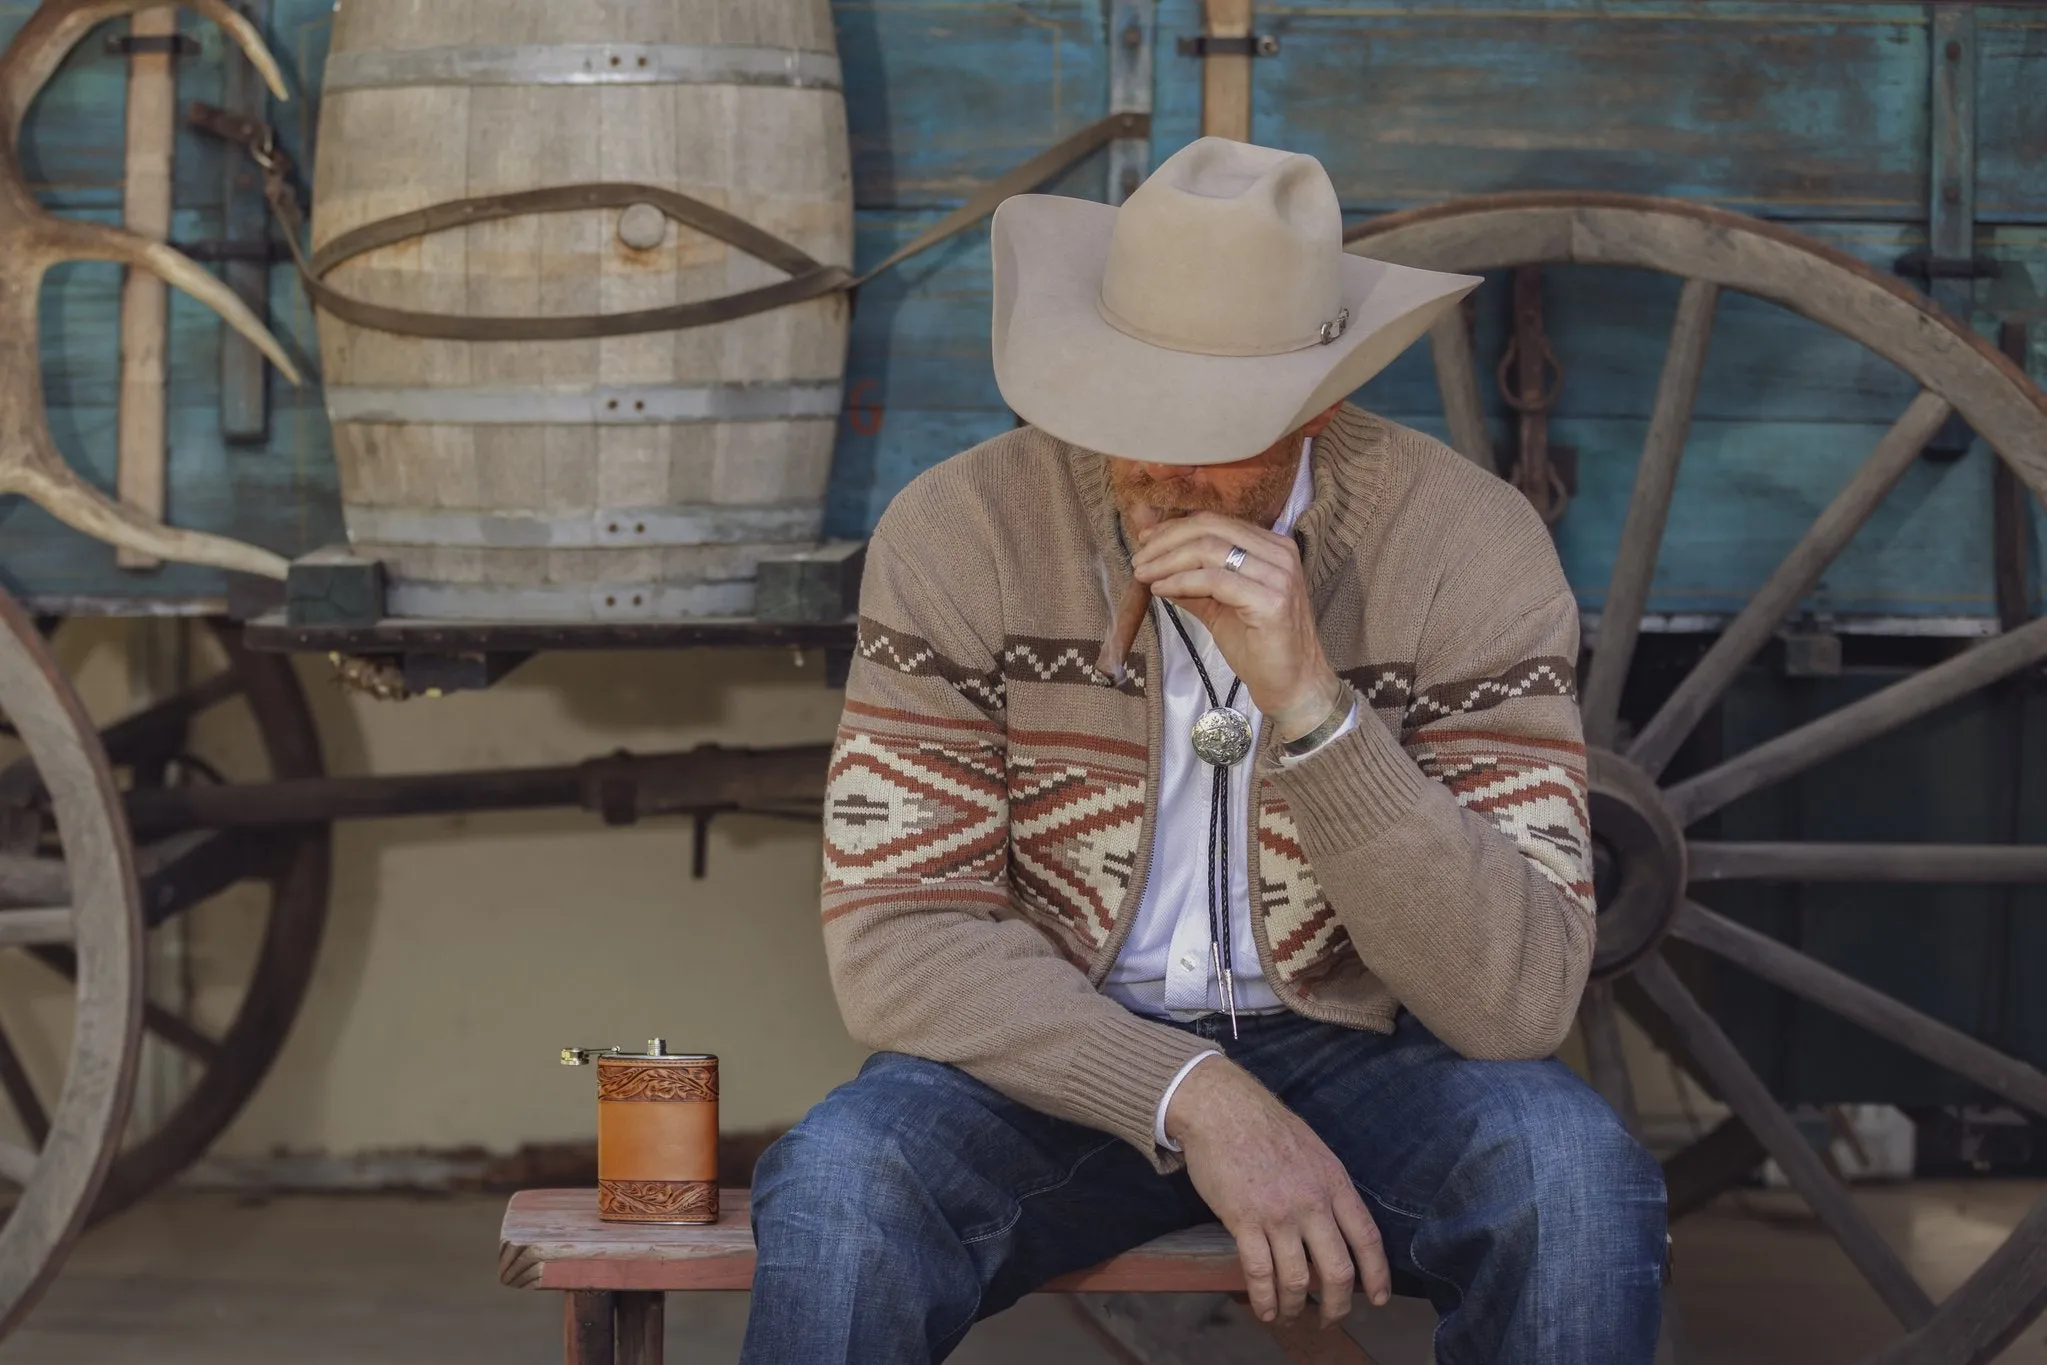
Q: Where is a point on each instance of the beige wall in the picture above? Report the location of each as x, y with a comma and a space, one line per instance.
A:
463, 952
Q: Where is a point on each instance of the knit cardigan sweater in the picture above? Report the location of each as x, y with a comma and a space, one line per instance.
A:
989, 814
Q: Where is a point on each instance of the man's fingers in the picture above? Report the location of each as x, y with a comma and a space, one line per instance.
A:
1258, 602
1206, 553
1259, 542
1334, 1272
1290, 1271
1255, 1253
1366, 1249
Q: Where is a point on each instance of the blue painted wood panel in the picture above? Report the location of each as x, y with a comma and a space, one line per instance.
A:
1791, 110
2011, 114
944, 94
1814, 112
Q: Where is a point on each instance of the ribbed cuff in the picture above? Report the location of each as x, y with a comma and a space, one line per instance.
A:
1352, 789
1117, 1078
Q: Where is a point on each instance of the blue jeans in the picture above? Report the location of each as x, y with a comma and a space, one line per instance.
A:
914, 1201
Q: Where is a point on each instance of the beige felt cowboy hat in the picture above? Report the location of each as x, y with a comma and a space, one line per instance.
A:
1210, 315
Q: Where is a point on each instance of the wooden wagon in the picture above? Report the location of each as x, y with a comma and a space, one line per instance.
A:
1763, 303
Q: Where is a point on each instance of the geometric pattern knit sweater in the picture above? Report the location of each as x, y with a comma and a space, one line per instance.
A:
988, 820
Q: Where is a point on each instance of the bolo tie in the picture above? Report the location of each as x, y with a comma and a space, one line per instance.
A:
1222, 736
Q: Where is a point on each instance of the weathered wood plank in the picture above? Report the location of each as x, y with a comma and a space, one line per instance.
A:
919, 386
151, 136
1749, 490
944, 94
2011, 118
1809, 110
1226, 78
553, 1239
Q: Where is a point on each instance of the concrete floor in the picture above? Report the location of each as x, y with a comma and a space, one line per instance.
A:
193, 1278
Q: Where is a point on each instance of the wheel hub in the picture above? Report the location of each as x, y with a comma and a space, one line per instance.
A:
1639, 853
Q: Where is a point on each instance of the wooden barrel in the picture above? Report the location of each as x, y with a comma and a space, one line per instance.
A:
638, 477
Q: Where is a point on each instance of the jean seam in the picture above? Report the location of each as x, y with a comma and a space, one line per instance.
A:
1413, 1256
1067, 1179
1435, 1337
1368, 1192
1046, 1188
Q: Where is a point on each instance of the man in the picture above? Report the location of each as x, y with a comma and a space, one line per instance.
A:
1274, 923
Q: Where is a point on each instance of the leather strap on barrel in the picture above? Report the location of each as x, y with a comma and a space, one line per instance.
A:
808, 279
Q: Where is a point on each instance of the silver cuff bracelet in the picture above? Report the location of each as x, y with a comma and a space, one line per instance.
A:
1307, 744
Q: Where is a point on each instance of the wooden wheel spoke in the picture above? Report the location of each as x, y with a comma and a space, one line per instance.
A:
38, 924
1600, 1018
1990, 1309
1918, 1033
185, 869
155, 730
179, 1033
1634, 565
1789, 582
26, 880
1714, 861
163, 723
1746, 1094
21, 1093
17, 1163
1877, 714
1457, 382
1716, 1162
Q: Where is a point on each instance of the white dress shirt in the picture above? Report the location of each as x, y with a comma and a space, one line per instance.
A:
1164, 968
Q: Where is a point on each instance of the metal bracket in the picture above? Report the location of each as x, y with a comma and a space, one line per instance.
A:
1133, 28
1253, 45
265, 251
1924, 265
162, 45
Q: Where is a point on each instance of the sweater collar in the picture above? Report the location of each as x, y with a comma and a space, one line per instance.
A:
1349, 471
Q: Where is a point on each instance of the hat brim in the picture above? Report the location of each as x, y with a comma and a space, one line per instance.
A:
1065, 370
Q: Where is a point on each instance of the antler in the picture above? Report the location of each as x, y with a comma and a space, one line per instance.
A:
32, 240
55, 28
67, 239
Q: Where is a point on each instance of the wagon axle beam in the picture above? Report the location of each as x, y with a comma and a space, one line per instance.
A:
622, 788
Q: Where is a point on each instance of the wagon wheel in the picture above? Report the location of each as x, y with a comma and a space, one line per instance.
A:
1640, 823
249, 696
97, 919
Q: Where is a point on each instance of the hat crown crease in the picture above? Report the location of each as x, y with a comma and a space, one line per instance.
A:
1227, 250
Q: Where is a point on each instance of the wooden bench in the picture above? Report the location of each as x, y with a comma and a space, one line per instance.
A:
613, 1276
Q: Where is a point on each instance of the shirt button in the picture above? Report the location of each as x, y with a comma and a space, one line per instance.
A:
1187, 962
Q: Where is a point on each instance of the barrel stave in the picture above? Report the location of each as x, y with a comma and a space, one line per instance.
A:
519, 453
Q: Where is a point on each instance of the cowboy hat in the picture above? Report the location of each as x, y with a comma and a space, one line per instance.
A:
1210, 315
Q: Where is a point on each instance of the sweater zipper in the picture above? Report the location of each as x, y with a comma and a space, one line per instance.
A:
1133, 895
1253, 854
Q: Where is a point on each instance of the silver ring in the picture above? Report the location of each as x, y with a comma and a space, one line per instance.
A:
1234, 560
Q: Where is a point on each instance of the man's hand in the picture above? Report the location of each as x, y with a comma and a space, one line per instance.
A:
1259, 614
1284, 1196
